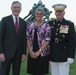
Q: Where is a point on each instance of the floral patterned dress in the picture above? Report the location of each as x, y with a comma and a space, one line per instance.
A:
39, 65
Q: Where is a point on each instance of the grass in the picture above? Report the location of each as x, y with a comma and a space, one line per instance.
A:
24, 68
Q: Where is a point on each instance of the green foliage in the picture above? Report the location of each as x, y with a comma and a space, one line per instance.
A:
51, 19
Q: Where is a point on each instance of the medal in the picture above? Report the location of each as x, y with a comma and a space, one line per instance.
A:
64, 29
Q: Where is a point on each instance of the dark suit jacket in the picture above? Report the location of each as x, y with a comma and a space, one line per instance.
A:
75, 39
9, 40
0, 25
62, 45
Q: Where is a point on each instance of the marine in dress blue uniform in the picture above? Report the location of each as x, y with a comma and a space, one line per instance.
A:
62, 44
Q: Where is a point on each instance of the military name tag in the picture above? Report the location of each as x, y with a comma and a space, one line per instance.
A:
64, 29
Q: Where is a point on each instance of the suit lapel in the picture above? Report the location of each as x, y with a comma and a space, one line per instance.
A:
13, 26
12, 23
20, 25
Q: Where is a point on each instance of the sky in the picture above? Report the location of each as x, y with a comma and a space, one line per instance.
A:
70, 11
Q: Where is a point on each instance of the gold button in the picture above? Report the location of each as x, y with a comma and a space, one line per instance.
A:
58, 24
64, 47
56, 33
57, 29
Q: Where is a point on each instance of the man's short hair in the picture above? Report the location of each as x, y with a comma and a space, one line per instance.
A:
15, 2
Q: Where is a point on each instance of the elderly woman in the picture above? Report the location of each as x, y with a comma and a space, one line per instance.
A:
38, 37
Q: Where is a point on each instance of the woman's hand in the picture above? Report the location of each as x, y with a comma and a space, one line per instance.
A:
37, 53
32, 54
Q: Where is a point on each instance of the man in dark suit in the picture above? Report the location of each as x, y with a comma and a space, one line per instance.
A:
62, 44
12, 41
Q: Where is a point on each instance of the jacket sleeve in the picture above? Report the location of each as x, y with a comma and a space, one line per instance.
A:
2, 34
71, 31
25, 43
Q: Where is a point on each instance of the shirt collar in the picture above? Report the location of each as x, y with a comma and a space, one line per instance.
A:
59, 20
15, 17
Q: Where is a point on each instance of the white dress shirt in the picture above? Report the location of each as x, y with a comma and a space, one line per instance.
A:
14, 19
